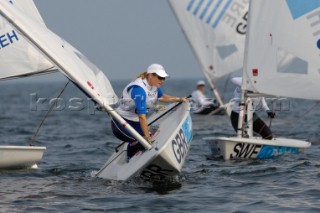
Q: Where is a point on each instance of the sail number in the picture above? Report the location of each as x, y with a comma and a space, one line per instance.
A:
245, 150
180, 146
242, 26
8, 38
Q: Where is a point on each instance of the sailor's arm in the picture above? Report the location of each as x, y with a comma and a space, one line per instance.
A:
270, 113
139, 97
264, 104
144, 126
168, 98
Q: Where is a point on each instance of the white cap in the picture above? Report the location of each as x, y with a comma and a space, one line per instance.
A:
157, 69
201, 83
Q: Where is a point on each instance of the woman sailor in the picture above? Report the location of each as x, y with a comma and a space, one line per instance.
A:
137, 97
259, 126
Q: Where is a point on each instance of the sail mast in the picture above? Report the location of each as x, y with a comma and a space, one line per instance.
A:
214, 89
243, 99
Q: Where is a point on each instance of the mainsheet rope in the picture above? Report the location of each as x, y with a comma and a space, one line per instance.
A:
32, 141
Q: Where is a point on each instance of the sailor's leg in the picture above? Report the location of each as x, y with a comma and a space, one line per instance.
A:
260, 127
234, 120
120, 132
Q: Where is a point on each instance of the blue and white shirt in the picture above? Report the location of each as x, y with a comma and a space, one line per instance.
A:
137, 97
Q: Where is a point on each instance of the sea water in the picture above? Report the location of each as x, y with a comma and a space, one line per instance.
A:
80, 141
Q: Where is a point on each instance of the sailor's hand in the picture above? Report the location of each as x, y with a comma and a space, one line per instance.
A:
160, 108
148, 139
271, 114
182, 99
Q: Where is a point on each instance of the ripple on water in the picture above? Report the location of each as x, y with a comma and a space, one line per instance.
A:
79, 143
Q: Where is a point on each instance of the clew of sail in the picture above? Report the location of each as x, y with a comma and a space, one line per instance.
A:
279, 28
215, 31
18, 58
64, 56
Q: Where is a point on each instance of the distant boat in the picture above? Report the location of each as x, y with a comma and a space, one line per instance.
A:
276, 28
174, 134
216, 33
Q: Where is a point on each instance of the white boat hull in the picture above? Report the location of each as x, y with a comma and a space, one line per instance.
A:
164, 159
17, 157
253, 148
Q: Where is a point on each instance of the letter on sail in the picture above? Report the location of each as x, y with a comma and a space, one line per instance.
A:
216, 32
18, 58
65, 57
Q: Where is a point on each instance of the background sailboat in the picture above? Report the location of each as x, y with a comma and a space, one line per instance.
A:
19, 59
26, 36
216, 32
276, 28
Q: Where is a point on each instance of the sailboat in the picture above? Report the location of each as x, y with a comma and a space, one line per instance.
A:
216, 32
19, 59
164, 158
275, 28
172, 130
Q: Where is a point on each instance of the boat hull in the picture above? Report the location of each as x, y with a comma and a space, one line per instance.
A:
18, 157
165, 158
205, 110
253, 148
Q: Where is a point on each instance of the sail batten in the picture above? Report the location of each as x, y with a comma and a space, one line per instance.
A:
282, 51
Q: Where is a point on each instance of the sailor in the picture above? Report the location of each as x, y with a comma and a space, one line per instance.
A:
259, 126
200, 103
137, 97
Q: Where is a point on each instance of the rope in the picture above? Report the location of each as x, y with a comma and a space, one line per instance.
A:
31, 143
121, 130
224, 90
297, 120
292, 121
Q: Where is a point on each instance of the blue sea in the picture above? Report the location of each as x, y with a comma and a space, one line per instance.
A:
80, 141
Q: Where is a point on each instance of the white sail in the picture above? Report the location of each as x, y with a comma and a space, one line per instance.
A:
280, 29
18, 58
69, 61
216, 32
29, 8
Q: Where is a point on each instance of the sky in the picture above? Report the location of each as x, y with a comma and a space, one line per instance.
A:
123, 37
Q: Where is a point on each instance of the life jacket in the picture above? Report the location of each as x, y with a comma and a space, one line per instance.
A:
258, 102
127, 108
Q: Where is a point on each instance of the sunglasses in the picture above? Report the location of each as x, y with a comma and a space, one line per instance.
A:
159, 77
